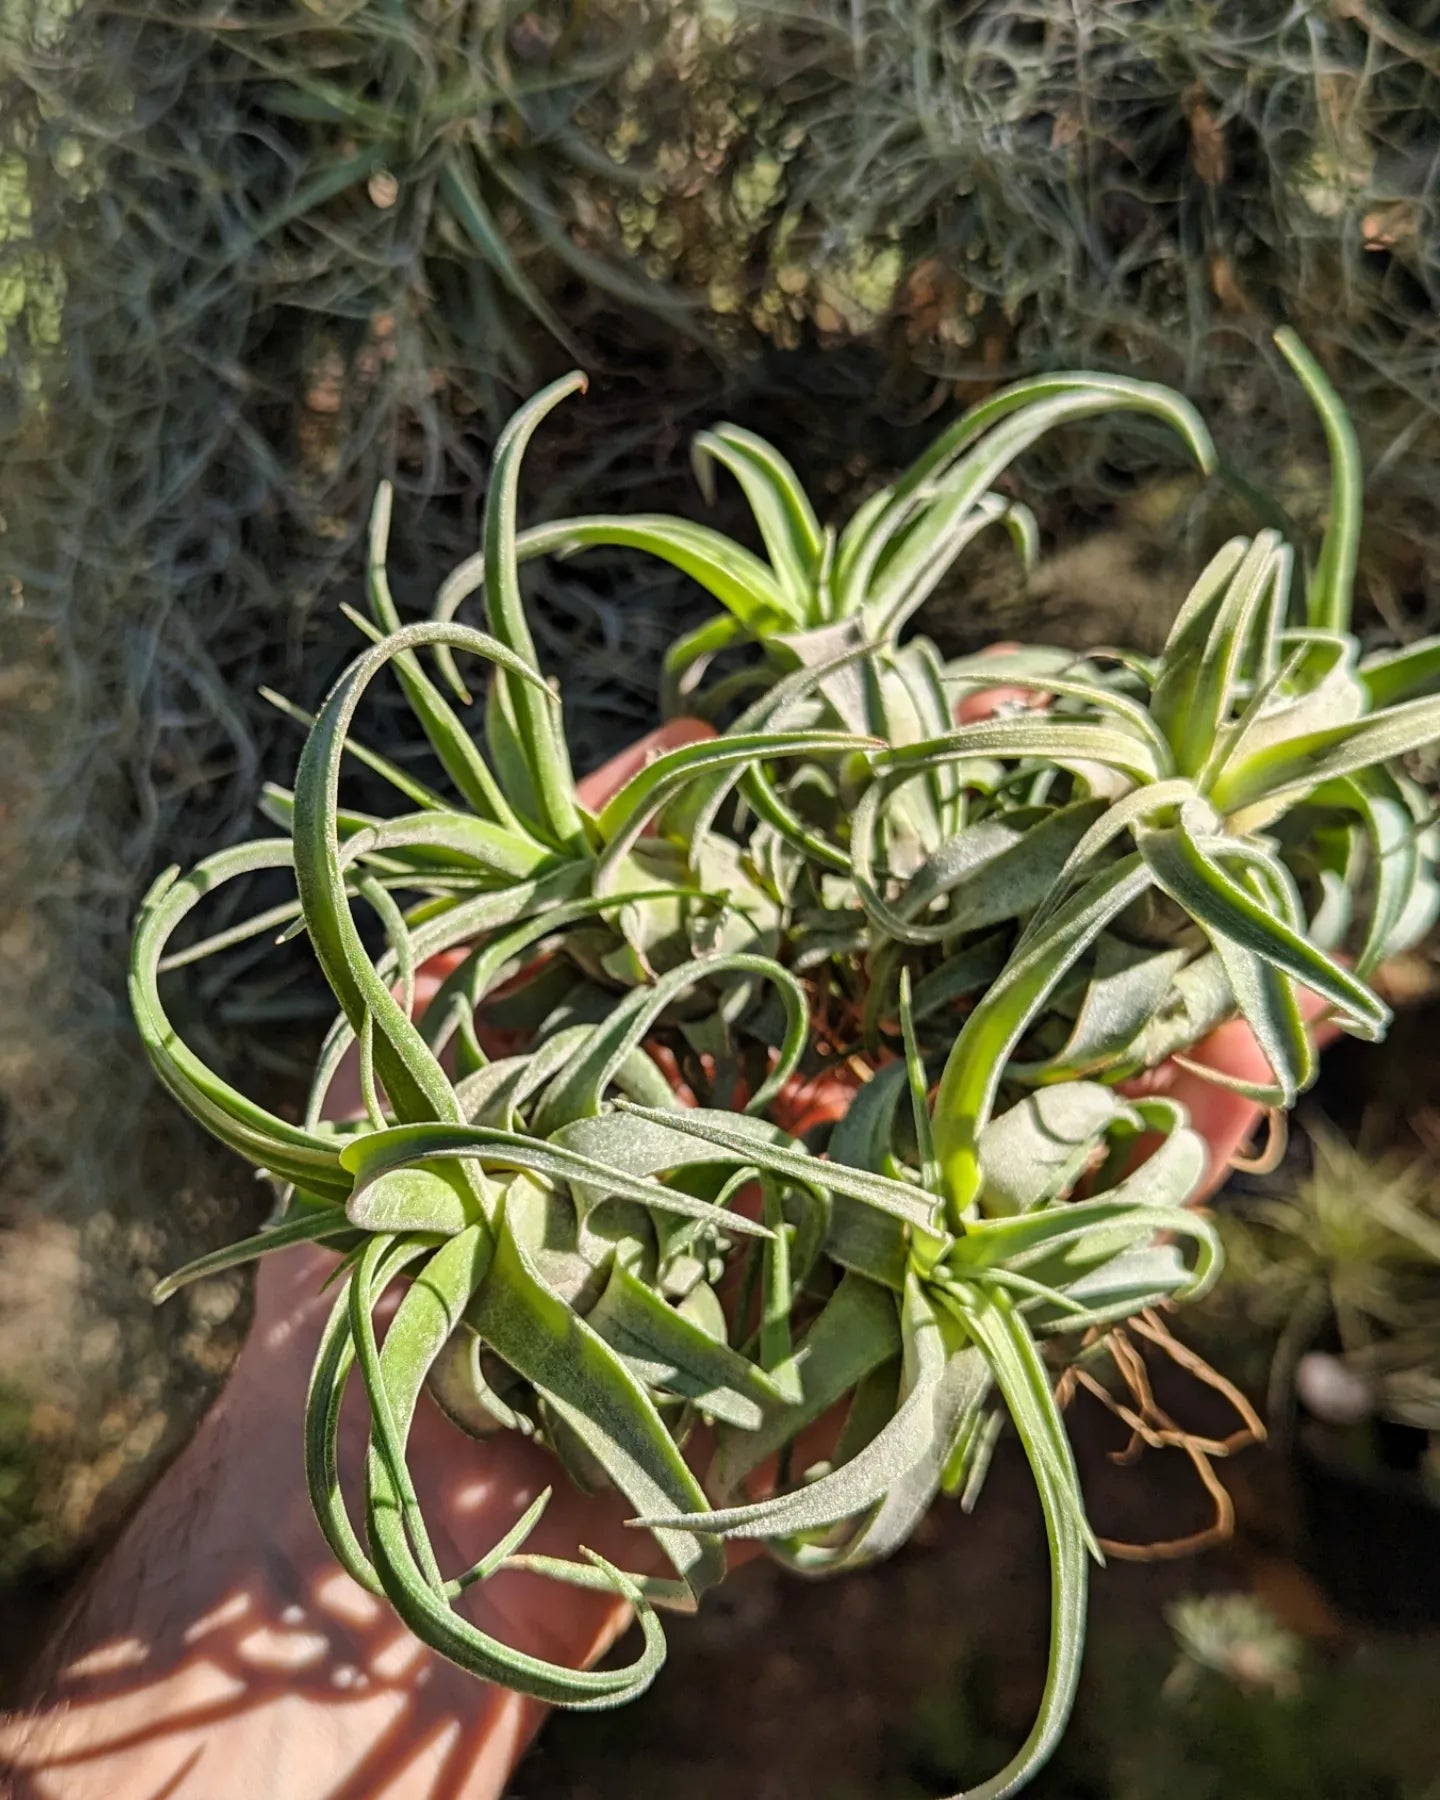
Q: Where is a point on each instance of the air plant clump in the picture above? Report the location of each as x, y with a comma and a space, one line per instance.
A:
1237, 1637
976, 930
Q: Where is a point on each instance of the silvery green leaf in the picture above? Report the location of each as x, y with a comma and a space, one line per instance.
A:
591, 1389
994, 434
1402, 855
641, 1144
1208, 644
292, 1153
912, 1205
379, 1153
621, 820
1200, 999
1128, 987
1312, 688
868, 1476
857, 1331
786, 519
449, 739
995, 870
1296, 766
933, 542
987, 1041
870, 1243
316, 1226
964, 1386
1036, 1151
443, 839
688, 658
416, 1085
1189, 868
329, 1377
457, 1383
400, 779
739, 581
427, 1315
666, 1350
1052, 738
577, 1091
525, 709
431, 1199
1332, 580
670, 1596
1026, 1391
1391, 676
1121, 1286
1055, 1244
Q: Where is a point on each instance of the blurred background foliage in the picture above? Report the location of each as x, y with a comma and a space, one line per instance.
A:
257, 254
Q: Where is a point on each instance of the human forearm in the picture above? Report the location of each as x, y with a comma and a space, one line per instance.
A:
220, 1652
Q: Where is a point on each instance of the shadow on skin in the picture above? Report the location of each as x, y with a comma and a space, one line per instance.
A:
236, 1658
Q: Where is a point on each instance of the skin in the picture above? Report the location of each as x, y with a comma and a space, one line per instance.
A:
219, 1654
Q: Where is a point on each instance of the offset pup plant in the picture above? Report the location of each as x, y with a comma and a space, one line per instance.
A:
1251, 767
575, 1163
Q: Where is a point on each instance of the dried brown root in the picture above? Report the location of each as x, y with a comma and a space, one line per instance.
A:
1151, 1427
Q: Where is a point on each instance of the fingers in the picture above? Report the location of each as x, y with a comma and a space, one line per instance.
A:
604, 783
1227, 1120
985, 702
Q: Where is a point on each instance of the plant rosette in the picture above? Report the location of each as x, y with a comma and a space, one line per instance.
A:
999, 923
1252, 768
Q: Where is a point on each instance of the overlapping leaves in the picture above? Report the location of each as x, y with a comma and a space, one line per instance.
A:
1256, 766
870, 872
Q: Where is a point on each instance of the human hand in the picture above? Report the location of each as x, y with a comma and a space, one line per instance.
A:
220, 1652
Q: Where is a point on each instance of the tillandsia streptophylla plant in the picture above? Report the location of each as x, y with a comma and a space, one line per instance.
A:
1250, 770
1008, 915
